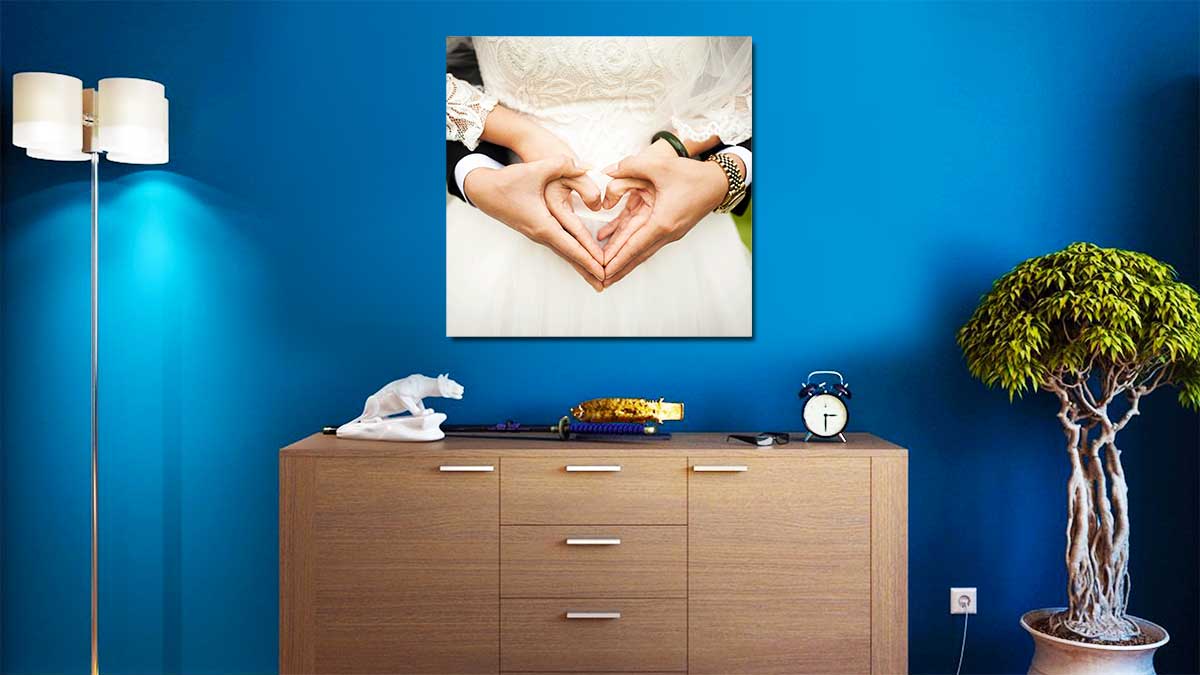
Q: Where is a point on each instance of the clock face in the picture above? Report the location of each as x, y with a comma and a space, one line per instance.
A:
825, 415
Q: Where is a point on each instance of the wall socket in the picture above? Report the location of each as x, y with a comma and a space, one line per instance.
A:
962, 601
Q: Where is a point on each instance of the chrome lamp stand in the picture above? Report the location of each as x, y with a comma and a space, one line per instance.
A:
95, 409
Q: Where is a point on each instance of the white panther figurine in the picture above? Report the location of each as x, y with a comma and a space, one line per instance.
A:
421, 424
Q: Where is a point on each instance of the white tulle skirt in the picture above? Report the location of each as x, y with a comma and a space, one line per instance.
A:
501, 284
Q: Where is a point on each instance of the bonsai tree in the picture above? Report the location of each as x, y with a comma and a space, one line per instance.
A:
1099, 328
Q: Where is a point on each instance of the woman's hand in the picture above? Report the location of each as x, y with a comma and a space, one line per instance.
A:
533, 198
530, 140
534, 143
672, 194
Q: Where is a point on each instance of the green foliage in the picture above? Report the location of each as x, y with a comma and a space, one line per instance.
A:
745, 225
1081, 309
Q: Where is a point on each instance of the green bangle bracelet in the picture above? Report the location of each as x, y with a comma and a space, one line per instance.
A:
671, 138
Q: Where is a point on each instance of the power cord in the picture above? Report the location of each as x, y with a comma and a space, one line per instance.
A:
963, 649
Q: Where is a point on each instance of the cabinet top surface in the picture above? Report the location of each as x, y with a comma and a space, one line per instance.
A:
525, 445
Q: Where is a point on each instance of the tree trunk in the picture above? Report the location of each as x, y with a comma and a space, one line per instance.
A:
1097, 552
1082, 584
1118, 561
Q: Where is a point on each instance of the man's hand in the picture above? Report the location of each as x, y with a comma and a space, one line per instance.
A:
631, 219
671, 195
533, 198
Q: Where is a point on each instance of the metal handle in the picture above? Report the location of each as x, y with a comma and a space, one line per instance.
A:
825, 372
468, 468
720, 468
593, 468
593, 541
593, 615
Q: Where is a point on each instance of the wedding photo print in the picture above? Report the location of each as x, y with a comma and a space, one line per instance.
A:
599, 186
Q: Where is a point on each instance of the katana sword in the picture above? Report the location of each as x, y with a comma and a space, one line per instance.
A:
565, 428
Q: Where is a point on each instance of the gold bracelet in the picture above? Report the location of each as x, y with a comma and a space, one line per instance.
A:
737, 184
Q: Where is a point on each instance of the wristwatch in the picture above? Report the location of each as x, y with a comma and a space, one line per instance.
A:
737, 183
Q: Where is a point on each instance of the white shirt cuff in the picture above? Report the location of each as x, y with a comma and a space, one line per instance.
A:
746, 156
468, 164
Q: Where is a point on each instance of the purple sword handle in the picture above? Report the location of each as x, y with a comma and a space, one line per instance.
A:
611, 428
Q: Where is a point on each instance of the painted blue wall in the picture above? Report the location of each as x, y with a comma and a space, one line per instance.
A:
289, 260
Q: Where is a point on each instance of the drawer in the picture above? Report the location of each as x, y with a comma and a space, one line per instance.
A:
593, 490
648, 636
580, 561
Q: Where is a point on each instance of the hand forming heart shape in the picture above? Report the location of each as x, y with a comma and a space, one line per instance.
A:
669, 194
533, 198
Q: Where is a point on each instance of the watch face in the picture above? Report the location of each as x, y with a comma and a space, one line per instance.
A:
825, 415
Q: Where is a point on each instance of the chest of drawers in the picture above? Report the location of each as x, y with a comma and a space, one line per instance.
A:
509, 555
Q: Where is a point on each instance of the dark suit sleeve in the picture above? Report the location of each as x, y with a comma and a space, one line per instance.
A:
455, 151
748, 144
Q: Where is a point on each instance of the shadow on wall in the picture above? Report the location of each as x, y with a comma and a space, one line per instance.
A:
981, 493
997, 496
1160, 178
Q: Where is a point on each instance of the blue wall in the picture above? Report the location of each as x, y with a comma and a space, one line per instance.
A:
289, 260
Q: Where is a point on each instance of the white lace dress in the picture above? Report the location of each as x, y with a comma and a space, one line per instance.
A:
604, 98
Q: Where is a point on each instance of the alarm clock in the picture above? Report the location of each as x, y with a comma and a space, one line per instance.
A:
825, 411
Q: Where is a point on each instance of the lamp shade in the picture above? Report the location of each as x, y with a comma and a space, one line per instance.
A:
159, 155
48, 112
131, 118
58, 156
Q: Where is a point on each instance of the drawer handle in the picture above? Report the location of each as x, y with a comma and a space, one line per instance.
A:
593, 468
720, 468
468, 468
593, 541
593, 615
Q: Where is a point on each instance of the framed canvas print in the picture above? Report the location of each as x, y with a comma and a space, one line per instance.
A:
599, 186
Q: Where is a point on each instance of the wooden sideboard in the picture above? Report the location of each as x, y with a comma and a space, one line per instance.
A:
486, 555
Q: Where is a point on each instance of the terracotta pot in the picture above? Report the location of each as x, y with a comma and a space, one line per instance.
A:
1056, 656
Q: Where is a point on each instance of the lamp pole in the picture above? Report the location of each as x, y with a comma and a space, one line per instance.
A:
95, 410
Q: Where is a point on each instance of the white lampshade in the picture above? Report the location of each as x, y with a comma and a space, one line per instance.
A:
48, 112
57, 156
160, 155
131, 119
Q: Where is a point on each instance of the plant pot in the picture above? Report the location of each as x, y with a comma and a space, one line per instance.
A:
1056, 656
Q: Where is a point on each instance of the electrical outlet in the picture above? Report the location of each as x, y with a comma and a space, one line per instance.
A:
962, 601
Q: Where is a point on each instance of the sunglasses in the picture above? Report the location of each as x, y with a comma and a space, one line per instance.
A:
763, 439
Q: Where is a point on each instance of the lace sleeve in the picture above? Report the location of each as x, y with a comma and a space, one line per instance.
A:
733, 122
466, 110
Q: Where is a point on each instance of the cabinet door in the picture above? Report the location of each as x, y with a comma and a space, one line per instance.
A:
779, 566
396, 569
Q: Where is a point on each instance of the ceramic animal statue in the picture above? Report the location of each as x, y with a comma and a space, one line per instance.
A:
382, 417
627, 410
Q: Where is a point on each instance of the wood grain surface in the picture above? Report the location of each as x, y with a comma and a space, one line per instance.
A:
521, 445
651, 635
889, 565
650, 562
796, 565
297, 553
646, 491
407, 567
779, 567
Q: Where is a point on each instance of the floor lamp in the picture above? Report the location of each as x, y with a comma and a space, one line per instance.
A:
55, 118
